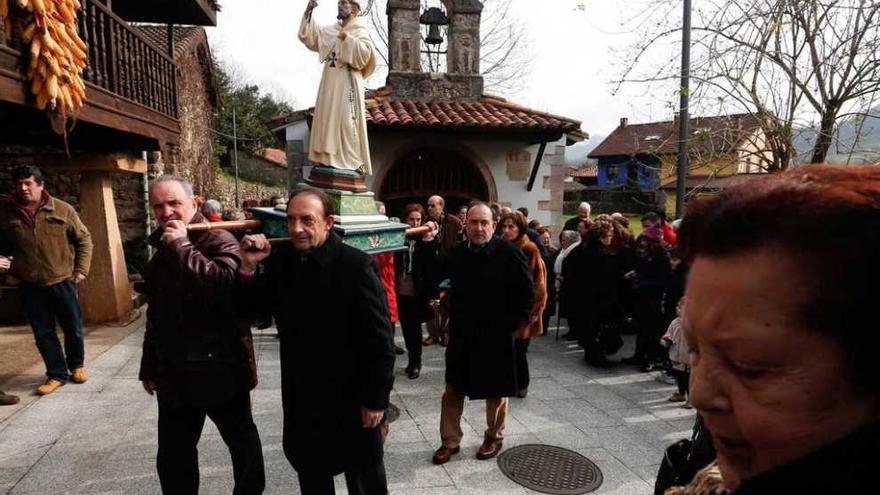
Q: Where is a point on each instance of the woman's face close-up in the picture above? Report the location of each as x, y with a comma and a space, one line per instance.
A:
509, 230
545, 239
770, 389
414, 219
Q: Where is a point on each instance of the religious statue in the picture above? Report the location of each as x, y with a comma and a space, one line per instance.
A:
339, 127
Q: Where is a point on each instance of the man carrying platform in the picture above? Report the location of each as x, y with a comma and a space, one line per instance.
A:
325, 296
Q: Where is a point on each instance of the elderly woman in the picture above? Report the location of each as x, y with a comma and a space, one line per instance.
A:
782, 328
212, 210
513, 229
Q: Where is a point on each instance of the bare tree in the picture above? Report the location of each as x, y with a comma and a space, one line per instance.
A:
505, 57
794, 64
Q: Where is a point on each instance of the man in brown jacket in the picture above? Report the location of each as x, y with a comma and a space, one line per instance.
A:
37, 233
198, 355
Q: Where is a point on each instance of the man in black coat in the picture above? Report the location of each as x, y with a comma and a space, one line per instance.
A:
198, 357
337, 354
491, 297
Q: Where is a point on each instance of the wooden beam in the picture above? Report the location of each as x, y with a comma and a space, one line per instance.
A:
537, 165
106, 293
96, 162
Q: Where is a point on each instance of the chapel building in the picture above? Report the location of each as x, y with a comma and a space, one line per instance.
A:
440, 133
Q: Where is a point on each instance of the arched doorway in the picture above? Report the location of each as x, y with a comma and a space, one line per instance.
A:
425, 171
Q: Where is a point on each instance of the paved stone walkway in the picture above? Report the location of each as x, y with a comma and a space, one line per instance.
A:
100, 437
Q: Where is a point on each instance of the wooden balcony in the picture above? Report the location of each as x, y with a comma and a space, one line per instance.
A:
131, 84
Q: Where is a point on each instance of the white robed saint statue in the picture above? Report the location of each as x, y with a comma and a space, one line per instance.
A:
339, 127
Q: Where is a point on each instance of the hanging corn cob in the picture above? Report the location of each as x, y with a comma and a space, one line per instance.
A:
57, 53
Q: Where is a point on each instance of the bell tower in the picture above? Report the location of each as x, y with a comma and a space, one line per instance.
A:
414, 33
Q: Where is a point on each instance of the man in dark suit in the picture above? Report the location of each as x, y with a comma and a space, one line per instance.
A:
198, 357
326, 295
491, 297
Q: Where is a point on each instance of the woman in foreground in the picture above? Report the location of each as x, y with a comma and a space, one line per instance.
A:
782, 330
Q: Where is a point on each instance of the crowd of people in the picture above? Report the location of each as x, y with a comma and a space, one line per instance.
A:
603, 281
771, 344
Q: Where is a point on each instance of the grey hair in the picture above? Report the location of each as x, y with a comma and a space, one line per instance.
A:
569, 235
586, 205
212, 206
185, 184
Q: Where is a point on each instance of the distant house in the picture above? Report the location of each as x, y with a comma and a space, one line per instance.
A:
643, 157
587, 175
269, 168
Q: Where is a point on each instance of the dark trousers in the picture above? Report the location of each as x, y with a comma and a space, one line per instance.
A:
649, 318
42, 306
361, 480
180, 427
411, 326
545, 318
521, 346
682, 380
575, 327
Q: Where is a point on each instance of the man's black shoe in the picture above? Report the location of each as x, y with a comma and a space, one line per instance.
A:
398, 350
413, 373
8, 400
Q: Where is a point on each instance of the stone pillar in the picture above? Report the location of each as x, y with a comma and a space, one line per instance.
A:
463, 45
105, 294
297, 157
404, 37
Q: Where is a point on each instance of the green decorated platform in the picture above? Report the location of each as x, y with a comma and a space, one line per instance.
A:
356, 221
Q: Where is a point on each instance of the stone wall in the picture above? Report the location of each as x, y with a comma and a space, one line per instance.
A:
257, 170
195, 103
224, 191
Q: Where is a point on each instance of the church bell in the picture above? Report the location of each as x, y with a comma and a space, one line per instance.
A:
434, 37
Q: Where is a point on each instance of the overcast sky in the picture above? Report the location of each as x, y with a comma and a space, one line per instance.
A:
576, 55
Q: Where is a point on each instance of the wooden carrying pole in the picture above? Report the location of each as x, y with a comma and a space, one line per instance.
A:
257, 224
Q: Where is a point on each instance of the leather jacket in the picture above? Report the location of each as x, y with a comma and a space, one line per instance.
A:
196, 347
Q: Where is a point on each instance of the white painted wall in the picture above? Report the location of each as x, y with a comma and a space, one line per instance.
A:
386, 148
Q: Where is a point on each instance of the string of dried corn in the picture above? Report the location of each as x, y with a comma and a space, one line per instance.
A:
57, 53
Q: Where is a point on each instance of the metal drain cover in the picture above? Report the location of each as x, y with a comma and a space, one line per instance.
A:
392, 413
549, 469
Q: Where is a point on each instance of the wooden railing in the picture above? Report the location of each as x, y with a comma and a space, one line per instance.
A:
123, 61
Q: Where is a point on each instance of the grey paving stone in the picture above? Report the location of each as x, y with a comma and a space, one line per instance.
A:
568, 437
579, 412
408, 465
548, 389
101, 437
600, 396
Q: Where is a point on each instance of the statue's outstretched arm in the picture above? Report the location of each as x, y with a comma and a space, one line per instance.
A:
309, 31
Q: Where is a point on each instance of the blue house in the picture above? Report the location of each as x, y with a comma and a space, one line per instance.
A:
643, 156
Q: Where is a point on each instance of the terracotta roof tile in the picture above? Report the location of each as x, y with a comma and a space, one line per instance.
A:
384, 109
584, 172
276, 156
184, 36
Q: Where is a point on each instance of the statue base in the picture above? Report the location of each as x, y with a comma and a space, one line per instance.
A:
356, 220
336, 178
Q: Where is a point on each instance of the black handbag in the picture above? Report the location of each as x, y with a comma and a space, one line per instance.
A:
684, 458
